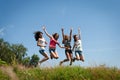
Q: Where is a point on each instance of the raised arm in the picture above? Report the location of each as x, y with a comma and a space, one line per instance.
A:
71, 34
62, 32
79, 34
44, 29
62, 35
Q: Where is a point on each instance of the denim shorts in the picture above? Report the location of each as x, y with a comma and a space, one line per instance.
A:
42, 51
68, 51
78, 52
51, 50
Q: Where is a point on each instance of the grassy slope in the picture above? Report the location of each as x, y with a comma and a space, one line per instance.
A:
64, 73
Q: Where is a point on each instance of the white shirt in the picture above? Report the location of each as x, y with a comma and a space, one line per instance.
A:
78, 45
42, 42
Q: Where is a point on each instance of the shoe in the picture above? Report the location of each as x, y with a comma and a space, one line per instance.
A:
82, 60
73, 59
51, 57
60, 63
71, 62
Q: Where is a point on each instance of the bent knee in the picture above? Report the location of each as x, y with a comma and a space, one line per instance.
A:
46, 58
77, 58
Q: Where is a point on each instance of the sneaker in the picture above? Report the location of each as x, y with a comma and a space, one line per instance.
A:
51, 57
70, 62
73, 59
82, 60
60, 63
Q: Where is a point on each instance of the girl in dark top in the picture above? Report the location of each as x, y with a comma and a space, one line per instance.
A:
67, 44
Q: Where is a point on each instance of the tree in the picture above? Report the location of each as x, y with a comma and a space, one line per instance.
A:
19, 51
26, 61
5, 52
15, 53
34, 60
12, 53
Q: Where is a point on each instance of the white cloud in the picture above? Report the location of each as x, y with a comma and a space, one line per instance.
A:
2, 31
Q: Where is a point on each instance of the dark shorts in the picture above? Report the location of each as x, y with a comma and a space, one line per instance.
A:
68, 51
51, 50
42, 51
78, 52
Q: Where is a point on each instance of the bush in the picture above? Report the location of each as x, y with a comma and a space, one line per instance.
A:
2, 63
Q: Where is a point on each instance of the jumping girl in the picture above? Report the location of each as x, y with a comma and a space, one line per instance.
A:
52, 45
41, 42
67, 44
78, 47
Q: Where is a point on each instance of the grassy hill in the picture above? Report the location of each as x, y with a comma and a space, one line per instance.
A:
59, 73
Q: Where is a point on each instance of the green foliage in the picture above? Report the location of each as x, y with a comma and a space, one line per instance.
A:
5, 52
69, 73
34, 60
26, 61
2, 63
63, 73
4, 76
19, 51
10, 53
16, 54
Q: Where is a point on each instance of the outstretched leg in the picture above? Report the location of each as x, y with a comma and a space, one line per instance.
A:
81, 58
65, 60
45, 58
71, 58
53, 55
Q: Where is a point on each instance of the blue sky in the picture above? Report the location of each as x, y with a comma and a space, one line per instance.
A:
99, 21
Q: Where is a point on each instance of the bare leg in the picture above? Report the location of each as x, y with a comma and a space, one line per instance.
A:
65, 60
54, 55
77, 57
71, 56
45, 58
81, 58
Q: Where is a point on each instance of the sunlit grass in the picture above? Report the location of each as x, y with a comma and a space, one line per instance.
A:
66, 73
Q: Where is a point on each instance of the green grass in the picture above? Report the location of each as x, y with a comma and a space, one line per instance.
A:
67, 73
2, 63
4, 76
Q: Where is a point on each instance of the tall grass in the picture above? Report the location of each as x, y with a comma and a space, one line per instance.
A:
69, 73
59, 73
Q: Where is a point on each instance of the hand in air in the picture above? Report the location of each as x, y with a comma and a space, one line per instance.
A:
43, 27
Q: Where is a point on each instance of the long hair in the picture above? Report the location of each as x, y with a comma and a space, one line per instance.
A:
74, 36
54, 36
36, 34
65, 37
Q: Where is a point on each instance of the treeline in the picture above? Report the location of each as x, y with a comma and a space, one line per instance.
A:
13, 54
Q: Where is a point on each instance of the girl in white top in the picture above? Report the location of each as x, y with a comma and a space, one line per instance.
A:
78, 47
41, 42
